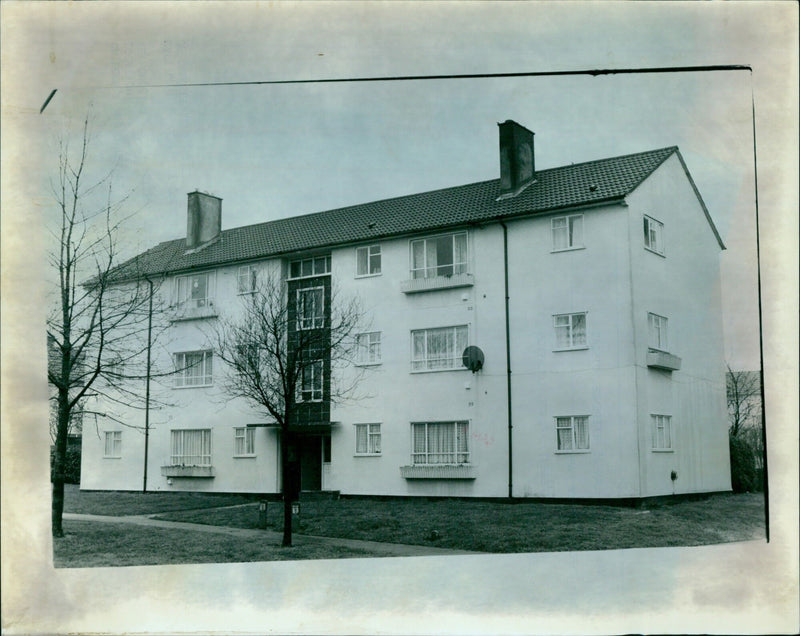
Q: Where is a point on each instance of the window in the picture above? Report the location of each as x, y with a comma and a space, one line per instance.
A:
368, 260
439, 256
193, 368
310, 385
368, 439
246, 279
438, 349
657, 330
440, 443
113, 447
567, 232
190, 447
310, 308
572, 432
653, 235
368, 347
194, 290
662, 432
570, 331
307, 267
244, 442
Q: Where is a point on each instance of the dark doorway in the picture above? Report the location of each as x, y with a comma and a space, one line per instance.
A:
310, 462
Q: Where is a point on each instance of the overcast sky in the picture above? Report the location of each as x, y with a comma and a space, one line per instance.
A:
276, 151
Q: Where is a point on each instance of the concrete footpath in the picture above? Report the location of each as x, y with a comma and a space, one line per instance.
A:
377, 548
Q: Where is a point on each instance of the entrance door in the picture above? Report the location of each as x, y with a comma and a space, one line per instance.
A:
311, 463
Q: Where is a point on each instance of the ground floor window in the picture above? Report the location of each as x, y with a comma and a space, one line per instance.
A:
368, 439
244, 442
191, 447
113, 446
662, 432
572, 432
440, 442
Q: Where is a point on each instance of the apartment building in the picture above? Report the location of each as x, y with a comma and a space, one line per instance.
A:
552, 333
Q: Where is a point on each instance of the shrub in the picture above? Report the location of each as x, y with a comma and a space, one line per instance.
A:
744, 477
72, 465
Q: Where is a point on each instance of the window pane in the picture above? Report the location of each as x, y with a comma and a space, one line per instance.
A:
444, 256
565, 439
575, 231
361, 438
578, 329
431, 261
307, 267
460, 256
375, 260
581, 433
418, 259
361, 261
560, 236
294, 269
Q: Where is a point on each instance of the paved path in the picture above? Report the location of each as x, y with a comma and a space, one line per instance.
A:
377, 548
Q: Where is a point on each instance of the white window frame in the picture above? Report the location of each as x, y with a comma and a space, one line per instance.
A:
182, 290
431, 271
368, 348
457, 457
314, 370
653, 235
180, 459
371, 437
453, 361
662, 433
657, 332
112, 445
316, 266
569, 224
570, 326
244, 438
315, 320
372, 255
569, 425
185, 380
246, 279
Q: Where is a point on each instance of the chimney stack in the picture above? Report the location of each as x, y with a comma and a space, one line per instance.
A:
516, 159
203, 219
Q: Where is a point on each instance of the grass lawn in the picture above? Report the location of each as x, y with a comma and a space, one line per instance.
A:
520, 527
93, 544
117, 504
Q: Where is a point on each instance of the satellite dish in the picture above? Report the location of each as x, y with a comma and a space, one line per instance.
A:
472, 358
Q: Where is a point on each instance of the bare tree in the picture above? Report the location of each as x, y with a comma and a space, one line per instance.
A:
102, 316
744, 399
273, 347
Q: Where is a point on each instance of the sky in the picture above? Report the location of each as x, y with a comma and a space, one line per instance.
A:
272, 151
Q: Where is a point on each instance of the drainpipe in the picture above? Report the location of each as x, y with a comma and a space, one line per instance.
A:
147, 385
508, 364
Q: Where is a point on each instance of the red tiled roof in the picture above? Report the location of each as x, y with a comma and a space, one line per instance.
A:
593, 182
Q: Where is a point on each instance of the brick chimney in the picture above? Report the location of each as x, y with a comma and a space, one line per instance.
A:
516, 159
203, 219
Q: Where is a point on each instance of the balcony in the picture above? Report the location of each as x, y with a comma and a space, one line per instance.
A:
663, 360
438, 471
416, 285
196, 310
187, 471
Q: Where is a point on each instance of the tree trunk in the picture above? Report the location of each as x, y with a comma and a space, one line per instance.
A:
287, 488
59, 462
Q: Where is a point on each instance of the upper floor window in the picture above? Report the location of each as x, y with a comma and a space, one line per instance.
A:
194, 290
190, 447
311, 308
572, 432
113, 444
193, 368
567, 232
308, 267
653, 235
657, 332
368, 260
244, 442
443, 255
368, 348
438, 349
246, 279
570, 330
310, 386
368, 439
662, 432
440, 443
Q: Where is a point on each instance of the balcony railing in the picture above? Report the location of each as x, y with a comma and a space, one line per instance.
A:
194, 311
415, 285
